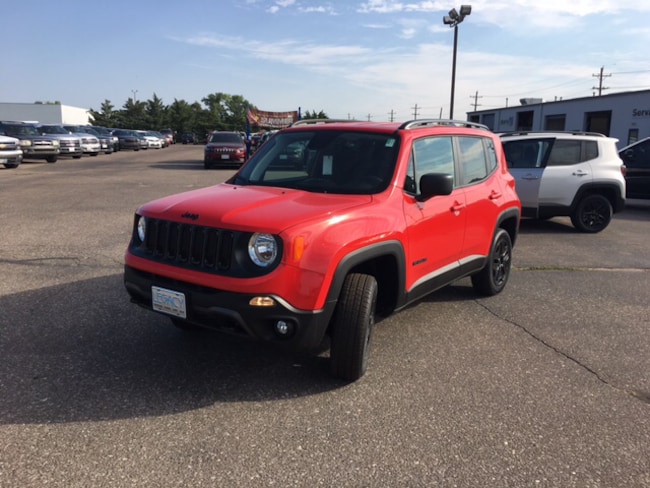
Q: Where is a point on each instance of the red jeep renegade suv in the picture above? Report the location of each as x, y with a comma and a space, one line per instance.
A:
328, 226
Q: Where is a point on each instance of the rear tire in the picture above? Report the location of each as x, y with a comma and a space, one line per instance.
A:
493, 277
593, 214
354, 319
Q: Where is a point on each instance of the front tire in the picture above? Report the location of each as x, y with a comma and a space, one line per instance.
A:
593, 214
493, 277
51, 159
354, 319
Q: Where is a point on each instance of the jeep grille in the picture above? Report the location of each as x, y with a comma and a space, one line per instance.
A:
189, 245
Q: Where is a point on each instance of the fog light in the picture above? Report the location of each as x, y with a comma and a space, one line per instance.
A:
283, 328
262, 302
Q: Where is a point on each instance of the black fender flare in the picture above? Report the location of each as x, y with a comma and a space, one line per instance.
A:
392, 248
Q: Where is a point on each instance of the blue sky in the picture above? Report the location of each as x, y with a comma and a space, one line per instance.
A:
352, 59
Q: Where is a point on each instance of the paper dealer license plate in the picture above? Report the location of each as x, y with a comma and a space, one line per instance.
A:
168, 301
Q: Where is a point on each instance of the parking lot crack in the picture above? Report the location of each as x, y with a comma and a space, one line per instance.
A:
41, 261
638, 395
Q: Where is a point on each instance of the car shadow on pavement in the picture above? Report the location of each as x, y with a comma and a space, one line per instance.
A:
557, 225
189, 165
82, 351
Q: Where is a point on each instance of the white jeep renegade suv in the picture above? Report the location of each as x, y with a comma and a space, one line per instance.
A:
575, 174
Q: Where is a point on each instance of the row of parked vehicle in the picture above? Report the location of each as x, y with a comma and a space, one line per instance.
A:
29, 140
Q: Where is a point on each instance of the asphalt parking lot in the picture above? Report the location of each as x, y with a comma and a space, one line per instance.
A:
544, 385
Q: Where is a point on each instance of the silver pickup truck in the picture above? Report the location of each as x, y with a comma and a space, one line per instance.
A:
33, 144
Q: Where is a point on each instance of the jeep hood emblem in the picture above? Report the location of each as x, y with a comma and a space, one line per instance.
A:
191, 216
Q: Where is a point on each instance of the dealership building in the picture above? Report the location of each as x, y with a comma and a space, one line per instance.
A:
45, 113
625, 116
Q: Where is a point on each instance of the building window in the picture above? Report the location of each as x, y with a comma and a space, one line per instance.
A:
525, 120
555, 122
599, 122
632, 136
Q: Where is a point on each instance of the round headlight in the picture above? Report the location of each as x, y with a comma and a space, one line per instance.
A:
263, 249
142, 228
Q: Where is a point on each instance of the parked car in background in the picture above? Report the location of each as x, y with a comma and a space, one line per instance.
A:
189, 138
69, 144
169, 135
33, 144
224, 149
163, 140
637, 168
575, 174
10, 153
127, 139
105, 132
153, 142
105, 142
89, 143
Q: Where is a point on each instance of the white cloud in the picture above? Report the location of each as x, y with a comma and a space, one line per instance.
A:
517, 15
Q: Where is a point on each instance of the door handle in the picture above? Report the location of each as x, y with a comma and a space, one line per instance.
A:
457, 207
494, 195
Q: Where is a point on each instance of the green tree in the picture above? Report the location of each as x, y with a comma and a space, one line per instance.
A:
314, 115
228, 111
134, 115
182, 117
106, 117
156, 113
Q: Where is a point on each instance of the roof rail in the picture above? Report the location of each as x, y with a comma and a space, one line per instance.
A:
319, 121
567, 132
418, 123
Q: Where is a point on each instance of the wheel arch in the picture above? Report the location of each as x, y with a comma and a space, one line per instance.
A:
386, 262
509, 220
609, 190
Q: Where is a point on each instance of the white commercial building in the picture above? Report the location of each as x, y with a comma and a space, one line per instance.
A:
625, 116
44, 113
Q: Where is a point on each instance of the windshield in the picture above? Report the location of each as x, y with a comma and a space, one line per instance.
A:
21, 130
226, 137
53, 129
327, 161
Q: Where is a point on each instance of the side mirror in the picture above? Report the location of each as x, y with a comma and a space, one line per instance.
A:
434, 184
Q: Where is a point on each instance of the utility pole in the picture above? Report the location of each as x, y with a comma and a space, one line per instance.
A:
415, 111
600, 77
475, 97
392, 115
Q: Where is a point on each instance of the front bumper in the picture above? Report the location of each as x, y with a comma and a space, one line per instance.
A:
231, 312
39, 152
11, 157
223, 158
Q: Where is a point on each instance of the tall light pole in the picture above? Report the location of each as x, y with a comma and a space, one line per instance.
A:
134, 93
452, 20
